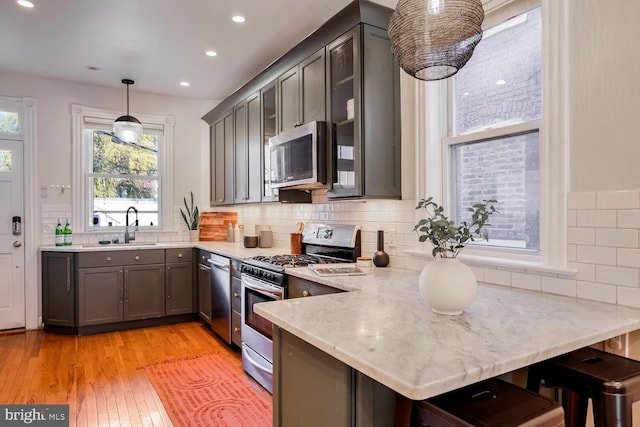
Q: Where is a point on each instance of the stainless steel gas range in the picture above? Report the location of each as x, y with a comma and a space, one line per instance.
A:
264, 279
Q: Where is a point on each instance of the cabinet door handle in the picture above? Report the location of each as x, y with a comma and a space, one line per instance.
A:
168, 283
121, 288
306, 294
108, 258
236, 295
137, 258
236, 329
126, 286
68, 274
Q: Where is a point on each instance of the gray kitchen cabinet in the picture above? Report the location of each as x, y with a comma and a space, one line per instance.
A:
299, 288
118, 286
236, 303
289, 97
100, 295
363, 95
179, 281
222, 158
301, 92
204, 287
269, 125
58, 289
248, 179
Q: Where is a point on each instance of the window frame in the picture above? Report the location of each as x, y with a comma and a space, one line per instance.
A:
432, 122
82, 161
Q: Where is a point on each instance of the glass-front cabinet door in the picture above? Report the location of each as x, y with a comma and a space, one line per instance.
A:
344, 101
269, 124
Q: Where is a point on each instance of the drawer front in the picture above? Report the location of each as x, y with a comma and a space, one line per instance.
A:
298, 288
236, 330
236, 294
179, 255
125, 257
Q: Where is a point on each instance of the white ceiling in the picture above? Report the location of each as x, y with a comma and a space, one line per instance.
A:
157, 43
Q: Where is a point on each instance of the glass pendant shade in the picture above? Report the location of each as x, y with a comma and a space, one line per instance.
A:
127, 127
433, 39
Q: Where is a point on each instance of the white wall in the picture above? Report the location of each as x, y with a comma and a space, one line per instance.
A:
53, 129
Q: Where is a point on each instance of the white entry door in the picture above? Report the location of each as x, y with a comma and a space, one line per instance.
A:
12, 300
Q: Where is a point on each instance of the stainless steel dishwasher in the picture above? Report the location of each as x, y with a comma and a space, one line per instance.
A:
221, 296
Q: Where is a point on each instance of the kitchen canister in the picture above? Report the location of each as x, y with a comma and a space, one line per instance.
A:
265, 239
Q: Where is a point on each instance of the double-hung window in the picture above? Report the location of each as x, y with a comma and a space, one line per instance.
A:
114, 175
492, 147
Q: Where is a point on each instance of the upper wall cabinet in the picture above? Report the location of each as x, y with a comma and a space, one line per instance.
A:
222, 157
248, 146
269, 125
363, 95
301, 92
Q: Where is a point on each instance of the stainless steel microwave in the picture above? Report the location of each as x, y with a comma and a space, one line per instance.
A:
298, 157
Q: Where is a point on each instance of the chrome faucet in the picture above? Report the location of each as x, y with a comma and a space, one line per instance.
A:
128, 238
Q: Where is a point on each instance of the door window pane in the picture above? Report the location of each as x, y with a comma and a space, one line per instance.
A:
5, 161
508, 170
9, 122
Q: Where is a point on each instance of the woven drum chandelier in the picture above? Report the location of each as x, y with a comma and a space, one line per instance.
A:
433, 39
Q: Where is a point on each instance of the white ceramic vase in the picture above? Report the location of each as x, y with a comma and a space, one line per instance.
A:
447, 285
194, 235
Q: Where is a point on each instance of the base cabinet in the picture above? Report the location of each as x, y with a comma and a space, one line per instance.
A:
100, 295
144, 291
58, 289
340, 396
236, 303
204, 288
179, 288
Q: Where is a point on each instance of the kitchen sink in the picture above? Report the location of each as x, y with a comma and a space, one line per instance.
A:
112, 245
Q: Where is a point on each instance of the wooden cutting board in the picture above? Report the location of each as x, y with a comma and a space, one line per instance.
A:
213, 225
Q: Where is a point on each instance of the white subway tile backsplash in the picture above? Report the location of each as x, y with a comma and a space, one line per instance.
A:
617, 237
597, 292
526, 281
556, 285
596, 218
581, 200
585, 272
572, 253
629, 218
628, 296
618, 200
497, 277
596, 255
629, 257
620, 276
572, 218
581, 236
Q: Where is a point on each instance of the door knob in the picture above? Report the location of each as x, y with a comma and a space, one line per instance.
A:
17, 244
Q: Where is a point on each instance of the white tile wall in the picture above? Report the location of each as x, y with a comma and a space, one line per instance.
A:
603, 239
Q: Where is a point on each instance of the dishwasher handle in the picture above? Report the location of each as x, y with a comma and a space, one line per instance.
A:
219, 265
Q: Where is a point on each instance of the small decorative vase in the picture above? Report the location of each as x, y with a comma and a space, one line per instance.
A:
380, 258
194, 235
447, 285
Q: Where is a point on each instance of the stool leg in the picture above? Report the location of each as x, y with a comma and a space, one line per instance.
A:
575, 406
612, 410
533, 379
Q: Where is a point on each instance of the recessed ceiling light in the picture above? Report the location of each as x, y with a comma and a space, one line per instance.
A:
211, 53
501, 82
238, 18
25, 3
185, 84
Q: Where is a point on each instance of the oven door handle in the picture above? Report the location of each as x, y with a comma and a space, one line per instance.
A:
261, 290
256, 364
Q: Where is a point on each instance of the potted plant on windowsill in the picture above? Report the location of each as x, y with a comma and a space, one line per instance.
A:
446, 284
191, 218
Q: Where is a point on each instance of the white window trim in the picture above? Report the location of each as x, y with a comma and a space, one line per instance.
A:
81, 157
554, 150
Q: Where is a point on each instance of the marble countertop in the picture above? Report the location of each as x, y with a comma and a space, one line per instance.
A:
233, 250
384, 329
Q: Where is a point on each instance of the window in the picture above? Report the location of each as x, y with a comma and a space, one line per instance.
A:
5, 161
493, 142
112, 175
9, 122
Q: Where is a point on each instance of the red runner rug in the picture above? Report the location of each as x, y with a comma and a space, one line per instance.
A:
208, 391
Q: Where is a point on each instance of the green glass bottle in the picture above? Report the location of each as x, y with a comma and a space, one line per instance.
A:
66, 233
59, 238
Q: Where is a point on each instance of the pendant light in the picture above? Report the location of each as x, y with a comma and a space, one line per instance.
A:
434, 39
127, 128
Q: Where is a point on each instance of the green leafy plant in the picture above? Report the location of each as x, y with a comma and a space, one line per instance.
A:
447, 238
192, 216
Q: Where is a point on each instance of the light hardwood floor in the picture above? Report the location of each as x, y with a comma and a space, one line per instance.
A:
99, 376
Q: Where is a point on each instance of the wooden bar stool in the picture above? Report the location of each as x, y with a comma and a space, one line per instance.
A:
612, 382
489, 403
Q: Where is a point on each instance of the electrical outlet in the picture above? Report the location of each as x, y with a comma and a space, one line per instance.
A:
390, 238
